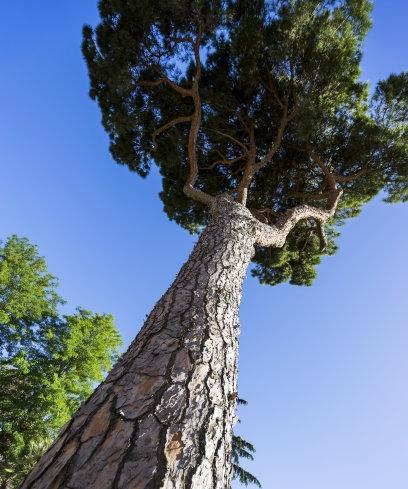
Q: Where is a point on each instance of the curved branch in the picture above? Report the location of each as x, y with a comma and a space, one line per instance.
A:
275, 146
242, 190
228, 136
189, 187
276, 235
164, 127
330, 178
195, 119
353, 176
223, 161
185, 92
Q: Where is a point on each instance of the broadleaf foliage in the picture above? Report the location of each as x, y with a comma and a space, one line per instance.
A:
49, 363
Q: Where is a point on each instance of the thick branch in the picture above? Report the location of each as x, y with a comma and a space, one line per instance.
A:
328, 175
242, 191
189, 187
195, 119
276, 235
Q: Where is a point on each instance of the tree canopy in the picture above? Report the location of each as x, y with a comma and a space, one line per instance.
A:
49, 363
259, 99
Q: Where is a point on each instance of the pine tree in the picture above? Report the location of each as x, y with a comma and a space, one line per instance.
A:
242, 449
267, 141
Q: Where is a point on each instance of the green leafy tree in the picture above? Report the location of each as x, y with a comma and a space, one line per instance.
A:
267, 141
21, 461
49, 364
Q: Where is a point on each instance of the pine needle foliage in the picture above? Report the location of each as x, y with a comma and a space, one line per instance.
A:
259, 99
242, 449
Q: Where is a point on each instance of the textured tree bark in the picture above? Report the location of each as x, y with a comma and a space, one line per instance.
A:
163, 417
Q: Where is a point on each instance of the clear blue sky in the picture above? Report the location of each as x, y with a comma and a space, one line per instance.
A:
324, 368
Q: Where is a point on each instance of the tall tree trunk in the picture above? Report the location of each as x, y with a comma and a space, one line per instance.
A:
163, 417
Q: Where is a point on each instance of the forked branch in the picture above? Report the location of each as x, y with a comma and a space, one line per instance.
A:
224, 161
195, 118
252, 167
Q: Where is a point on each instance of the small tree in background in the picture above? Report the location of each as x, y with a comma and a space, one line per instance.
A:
266, 141
49, 364
242, 449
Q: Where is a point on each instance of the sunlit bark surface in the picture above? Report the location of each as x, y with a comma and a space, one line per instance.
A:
163, 417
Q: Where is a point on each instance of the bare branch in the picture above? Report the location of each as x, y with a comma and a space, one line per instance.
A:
196, 49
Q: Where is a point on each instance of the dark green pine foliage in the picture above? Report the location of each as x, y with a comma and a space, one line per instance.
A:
242, 449
49, 363
278, 88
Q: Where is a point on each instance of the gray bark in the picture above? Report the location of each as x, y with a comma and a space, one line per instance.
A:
163, 417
